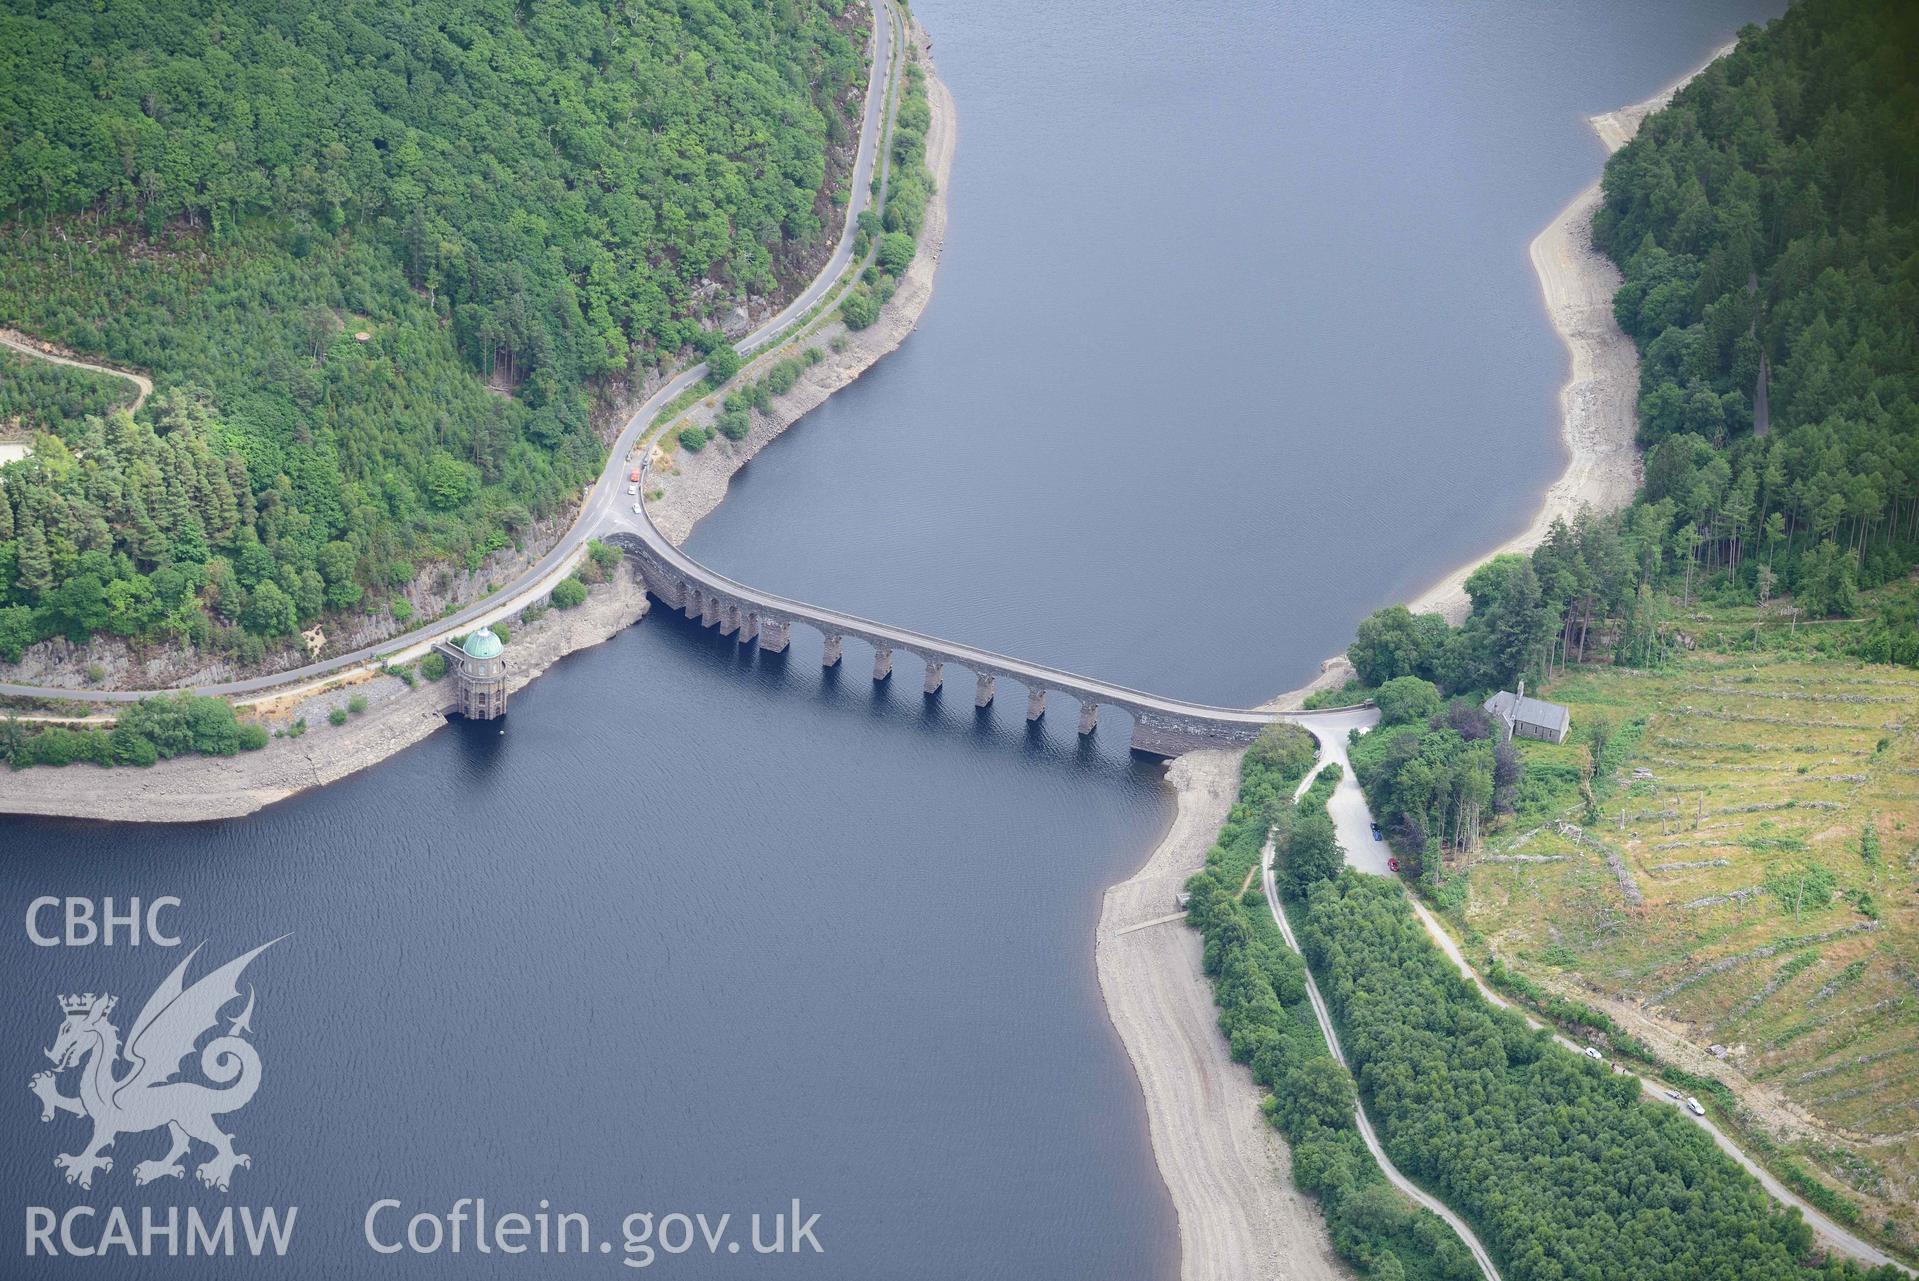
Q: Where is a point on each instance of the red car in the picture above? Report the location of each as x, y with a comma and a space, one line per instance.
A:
1393, 863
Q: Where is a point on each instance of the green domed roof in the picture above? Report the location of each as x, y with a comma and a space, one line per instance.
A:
482, 644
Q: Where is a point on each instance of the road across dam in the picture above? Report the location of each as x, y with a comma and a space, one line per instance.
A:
1162, 726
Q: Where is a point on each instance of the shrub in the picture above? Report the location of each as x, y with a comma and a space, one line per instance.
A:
1283, 749
184, 723
722, 363
433, 666
569, 594
298, 728
781, 377
735, 424
356, 704
1406, 699
253, 736
337, 716
896, 252
57, 745
860, 309
693, 439
501, 630
130, 747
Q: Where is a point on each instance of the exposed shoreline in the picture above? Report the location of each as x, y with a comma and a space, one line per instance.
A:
1228, 1170
1599, 403
1233, 1209
197, 788
692, 485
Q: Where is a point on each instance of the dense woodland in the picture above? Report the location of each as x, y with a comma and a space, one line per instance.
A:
152, 730
1260, 985
321, 227
1768, 219
1562, 1168
38, 394
1767, 223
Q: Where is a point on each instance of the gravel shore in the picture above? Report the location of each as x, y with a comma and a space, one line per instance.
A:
1599, 403
1239, 1215
691, 485
195, 789
191, 789
1229, 1171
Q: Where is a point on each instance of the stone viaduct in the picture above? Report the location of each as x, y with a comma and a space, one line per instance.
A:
1161, 726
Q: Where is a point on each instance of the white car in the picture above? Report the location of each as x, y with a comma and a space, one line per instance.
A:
632, 489
636, 509
1595, 1055
1692, 1106
1674, 1095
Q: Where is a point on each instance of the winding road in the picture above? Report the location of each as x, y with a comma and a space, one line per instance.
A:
603, 499
1352, 823
1825, 1228
602, 510
1332, 748
20, 344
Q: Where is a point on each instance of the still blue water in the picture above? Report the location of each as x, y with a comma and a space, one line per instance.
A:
1234, 340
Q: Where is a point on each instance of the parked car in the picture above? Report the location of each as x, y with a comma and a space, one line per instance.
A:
632, 489
1674, 1095
633, 475
636, 509
1595, 1055
1692, 1106
1392, 864
1377, 834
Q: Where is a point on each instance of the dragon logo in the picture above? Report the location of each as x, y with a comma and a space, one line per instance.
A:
147, 1096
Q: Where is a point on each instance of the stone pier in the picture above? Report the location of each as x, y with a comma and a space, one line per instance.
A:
983, 691
750, 630
775, 637
935, 677
729, 620
830, 656
1088, 718
882, 663
692, 610
710, 611
1035, 702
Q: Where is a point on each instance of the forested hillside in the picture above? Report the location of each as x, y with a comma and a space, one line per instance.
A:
1260, 987
1767, 223
1559, 1164
1707, 842
1767, 220
324, 229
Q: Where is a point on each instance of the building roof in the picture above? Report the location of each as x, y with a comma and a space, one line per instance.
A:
1521, 710
482, 644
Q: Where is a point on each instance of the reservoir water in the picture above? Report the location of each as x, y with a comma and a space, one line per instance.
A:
1235, 339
